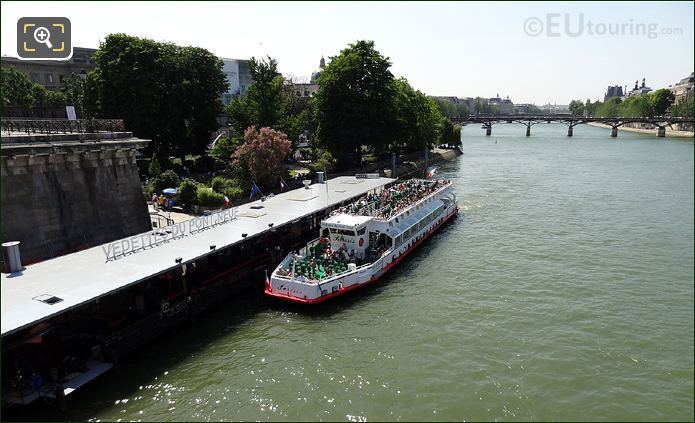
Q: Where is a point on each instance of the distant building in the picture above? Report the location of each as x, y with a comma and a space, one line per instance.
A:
613, 91
683, 87
302, 89
238, 76
526, 109
555, 109
505, 105
52, 73
639, 90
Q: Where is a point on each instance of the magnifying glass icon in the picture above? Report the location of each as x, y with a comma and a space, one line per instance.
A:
43, 36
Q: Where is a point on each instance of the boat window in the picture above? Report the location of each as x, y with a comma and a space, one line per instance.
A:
361, 231
343, 232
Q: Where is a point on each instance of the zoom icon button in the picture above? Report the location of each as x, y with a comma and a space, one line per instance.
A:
43, 38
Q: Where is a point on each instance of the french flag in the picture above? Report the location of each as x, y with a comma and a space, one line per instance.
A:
430, 174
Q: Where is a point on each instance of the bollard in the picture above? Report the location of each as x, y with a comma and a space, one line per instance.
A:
13, 262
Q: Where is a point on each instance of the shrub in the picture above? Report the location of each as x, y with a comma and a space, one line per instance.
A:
220, 184
168, 179
206, 197
323, 161
233, 192
187, 192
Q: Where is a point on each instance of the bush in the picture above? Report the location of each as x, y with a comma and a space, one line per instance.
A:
323, 161
219, 184
233, 192
206, 197
187, 192
168, 179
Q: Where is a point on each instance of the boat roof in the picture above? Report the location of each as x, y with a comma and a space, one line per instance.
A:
83, 276
345, 219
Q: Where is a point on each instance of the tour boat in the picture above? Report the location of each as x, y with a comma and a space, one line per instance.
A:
361, 241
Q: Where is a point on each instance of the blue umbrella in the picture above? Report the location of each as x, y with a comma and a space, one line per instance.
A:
170, 191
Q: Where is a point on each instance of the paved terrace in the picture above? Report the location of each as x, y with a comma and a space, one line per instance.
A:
86, 275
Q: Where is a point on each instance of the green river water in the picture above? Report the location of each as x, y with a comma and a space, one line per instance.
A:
564, 291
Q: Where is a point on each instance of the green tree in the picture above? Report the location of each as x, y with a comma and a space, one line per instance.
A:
224, 147
354, 105
322, 161
577, 107
16, 88
154, 168
684, 108
187, 192
164, 92
269, 102
661, 100
73, 90
418, 118
637, 106
450, 134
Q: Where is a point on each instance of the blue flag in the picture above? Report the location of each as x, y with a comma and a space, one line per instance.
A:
254, 190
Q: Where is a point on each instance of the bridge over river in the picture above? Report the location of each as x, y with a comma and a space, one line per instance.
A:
660, 122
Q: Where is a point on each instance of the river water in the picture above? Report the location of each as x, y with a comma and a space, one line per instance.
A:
564, 291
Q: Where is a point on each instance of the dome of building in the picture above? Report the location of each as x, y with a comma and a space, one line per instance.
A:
317, 73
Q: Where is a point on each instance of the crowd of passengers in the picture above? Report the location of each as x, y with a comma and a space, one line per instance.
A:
392, 200
323, 263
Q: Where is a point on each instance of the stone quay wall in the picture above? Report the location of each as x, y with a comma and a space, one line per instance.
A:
67, 192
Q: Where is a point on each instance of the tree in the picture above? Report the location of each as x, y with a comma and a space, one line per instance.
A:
684, 108
74, 93
450, 108
269, 102
661, 100
187, 192
637, 106
262, 154
164, 92
450, 134
224, 147
323, 161
16, 88
154, 168
354, 105
589, 108
577, 107
418, 119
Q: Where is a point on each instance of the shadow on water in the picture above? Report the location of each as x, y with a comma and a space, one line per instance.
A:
147, 363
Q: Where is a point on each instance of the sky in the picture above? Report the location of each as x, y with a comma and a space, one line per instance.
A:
535, 52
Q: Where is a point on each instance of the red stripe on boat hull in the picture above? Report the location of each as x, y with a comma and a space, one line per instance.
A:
358, 285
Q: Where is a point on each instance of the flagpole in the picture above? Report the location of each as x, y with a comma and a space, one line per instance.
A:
293, 260
325, 176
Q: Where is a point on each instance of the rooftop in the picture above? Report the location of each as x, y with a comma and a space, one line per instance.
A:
86, 275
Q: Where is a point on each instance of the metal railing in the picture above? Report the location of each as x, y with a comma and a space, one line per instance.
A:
61, 126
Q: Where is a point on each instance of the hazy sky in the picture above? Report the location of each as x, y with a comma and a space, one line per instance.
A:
464, 49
